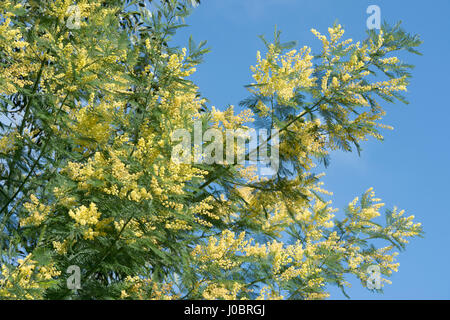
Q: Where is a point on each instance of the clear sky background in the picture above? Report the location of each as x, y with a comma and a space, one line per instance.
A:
410, 168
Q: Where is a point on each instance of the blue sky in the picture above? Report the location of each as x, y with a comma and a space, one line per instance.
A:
410, 168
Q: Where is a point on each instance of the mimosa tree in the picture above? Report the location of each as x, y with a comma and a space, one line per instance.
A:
91, 94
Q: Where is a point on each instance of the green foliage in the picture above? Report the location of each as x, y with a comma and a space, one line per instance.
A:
87, 118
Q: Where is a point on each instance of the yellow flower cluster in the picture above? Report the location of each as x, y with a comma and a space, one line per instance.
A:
303, 260
220, 252
13, 75
268, 293
38, 212
287, 262
146, 289
8, 142
229, 120
309, 141
28, 276
283, 74
89, 217
216, 291
86, 216
59, 9
176, 66
347, 81
404, 227
61, 247
136, 167
92, 123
